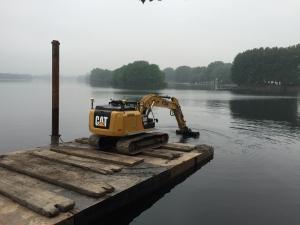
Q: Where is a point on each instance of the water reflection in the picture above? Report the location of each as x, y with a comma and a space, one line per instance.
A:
128, 213
276, 109
213, 104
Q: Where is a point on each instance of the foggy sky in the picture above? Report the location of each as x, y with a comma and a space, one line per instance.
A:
111, 33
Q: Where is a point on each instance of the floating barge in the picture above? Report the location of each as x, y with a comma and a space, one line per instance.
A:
73, 183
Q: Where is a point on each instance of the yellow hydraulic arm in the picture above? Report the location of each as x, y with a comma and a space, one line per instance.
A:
147, 102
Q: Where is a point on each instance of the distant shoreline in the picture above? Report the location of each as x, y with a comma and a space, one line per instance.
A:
15, 77
268, 89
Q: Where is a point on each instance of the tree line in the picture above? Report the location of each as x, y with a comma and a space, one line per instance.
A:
142, 74
267, 66
185, 74
255, 67
136, 75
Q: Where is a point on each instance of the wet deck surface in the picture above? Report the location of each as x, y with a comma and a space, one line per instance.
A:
75, 184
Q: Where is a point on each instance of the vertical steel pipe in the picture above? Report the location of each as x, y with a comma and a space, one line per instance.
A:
55, 93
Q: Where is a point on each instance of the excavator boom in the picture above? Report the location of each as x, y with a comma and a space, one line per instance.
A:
146, 104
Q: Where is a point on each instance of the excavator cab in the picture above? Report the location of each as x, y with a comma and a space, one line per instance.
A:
124, 105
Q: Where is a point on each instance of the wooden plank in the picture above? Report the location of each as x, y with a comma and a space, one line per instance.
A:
182, 147
12, 213
66, 176
161, 153
25, 191
99, 155
85, 163
83, 140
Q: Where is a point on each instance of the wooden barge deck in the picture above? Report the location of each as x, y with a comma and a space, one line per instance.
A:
72, 183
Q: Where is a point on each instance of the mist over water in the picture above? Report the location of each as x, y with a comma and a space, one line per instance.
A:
253, 178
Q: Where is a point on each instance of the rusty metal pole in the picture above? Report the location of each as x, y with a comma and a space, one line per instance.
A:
55, 93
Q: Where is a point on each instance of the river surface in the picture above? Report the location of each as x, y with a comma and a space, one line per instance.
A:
254, 177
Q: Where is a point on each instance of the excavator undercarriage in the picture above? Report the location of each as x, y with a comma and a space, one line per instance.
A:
129, 145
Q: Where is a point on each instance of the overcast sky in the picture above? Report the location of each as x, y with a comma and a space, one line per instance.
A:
111, 33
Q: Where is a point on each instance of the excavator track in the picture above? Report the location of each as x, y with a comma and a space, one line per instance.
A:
135, 145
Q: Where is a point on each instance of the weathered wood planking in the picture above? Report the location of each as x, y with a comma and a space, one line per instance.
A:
99, 155
161, 153
83, 140
66, 176
28, 192
131, 183
182, 147
84, 163
12, 213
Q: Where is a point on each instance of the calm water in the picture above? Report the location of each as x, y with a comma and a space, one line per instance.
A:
253, 179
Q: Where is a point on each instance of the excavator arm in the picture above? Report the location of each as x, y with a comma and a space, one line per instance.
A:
146, 104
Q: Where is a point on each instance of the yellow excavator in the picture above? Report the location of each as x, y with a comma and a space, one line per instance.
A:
127, 126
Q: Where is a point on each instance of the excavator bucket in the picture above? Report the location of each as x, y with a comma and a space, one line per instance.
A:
186, 133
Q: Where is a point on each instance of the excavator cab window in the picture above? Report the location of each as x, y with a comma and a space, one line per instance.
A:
147, 121
172, 112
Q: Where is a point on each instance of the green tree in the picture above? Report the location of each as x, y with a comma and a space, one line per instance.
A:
183, 74
100, 77
169, 74
218, 70
186, 74
197, 74
267, 66
139, 75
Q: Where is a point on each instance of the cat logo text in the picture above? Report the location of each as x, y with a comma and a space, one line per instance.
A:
101, 121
